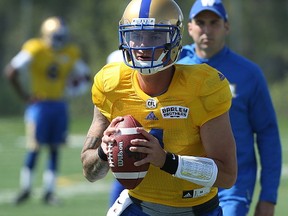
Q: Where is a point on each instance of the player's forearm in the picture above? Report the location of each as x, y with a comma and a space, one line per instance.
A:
12, 76
227, 174
94, 168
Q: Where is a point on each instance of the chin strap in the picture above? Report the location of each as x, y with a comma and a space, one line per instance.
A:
144, 67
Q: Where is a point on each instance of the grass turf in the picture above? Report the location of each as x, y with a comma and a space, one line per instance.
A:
79, 196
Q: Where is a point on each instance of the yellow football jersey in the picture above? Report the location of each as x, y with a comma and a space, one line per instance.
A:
49, 69
196, 94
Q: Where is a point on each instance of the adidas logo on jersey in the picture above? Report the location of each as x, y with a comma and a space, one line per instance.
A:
187, 195
196, 192
151, 116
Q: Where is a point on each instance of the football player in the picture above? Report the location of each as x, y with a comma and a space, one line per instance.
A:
45, 73
184, 112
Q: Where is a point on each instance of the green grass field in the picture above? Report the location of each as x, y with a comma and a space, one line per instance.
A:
79, 196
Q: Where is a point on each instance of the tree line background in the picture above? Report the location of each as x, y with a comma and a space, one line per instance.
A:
258, 31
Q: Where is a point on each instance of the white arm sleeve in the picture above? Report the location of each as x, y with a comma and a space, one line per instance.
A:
199, 170
21, 61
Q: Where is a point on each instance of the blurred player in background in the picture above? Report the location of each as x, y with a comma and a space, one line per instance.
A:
46, 72
252, 114
190, 145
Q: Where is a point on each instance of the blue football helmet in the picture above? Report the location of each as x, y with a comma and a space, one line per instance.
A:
153, 26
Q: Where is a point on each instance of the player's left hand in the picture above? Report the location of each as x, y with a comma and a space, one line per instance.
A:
155, 153
107, 134
264, 208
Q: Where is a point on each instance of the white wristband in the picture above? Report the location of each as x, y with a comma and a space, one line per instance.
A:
199, 170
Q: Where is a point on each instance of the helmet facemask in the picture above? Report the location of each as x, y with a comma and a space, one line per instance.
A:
59, 39
161, 41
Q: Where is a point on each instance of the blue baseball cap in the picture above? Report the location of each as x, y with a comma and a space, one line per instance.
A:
215, 6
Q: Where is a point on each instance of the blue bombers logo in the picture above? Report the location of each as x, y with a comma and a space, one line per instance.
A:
206, 3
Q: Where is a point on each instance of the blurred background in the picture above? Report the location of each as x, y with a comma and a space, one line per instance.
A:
258, 31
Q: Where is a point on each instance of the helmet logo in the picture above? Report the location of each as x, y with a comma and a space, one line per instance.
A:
143, 21
207, 2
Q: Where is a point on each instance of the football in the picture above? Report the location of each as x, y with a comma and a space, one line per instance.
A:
121, 159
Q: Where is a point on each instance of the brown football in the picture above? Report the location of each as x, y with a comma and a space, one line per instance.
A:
121, 159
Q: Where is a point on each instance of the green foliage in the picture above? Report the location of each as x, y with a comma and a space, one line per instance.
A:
94, 25
279, 96
10, 104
